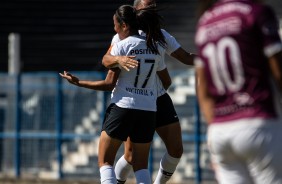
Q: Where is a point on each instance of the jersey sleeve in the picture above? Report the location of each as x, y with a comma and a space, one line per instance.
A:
161, 65
115, 39
115, 51
172, 44
269, 28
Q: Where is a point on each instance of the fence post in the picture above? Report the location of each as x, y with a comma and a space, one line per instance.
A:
151, 160
14, 53
58, 113
17, 126
14, 70
198, 143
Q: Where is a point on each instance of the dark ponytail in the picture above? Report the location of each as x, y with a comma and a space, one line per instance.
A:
150, 22
147, 20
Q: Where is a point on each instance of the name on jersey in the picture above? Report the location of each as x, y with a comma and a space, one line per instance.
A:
138, 91
214, 30
141, 51
226, 9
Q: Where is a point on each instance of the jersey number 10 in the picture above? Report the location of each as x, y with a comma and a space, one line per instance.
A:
216, 53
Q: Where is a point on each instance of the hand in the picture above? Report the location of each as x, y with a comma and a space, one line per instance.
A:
71, 78
127, 62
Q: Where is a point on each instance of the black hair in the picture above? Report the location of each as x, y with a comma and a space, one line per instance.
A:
147, 20
127, 14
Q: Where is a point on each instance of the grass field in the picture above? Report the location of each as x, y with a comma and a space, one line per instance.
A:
73, 181
39, 181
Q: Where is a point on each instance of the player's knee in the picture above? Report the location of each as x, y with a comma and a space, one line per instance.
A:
176, 152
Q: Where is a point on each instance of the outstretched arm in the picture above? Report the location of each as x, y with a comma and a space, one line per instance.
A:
102, 85
184, 57
125, 62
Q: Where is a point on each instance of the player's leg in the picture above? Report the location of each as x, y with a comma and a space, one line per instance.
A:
233, 171
169, 130
123, 166
114, 131
107, 151
265, 152
140, 159
229, 147
171, 136
141, 136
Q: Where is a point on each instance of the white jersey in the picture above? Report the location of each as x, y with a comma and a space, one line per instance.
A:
171, 46
135, 89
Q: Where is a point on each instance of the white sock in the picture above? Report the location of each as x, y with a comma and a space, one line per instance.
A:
167, 167
143, 176
107, 175
122, 169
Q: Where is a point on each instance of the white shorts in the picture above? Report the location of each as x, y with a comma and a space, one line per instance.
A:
247, 151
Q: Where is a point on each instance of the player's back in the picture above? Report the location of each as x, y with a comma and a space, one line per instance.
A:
233, 48
136, 88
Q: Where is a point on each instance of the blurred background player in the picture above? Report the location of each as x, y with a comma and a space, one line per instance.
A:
239, 50
168, 126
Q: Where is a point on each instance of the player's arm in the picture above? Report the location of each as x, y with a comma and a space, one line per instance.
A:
206, 102
125, 62
184, 57
107, 84
275, 63
174, 49
165, 78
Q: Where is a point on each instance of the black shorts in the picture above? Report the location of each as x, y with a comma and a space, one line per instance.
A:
121, 123
166, 113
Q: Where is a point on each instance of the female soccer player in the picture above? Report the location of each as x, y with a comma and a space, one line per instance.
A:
167, 126
133, 101
239, 50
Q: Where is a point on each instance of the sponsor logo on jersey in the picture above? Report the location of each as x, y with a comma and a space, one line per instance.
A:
141, 51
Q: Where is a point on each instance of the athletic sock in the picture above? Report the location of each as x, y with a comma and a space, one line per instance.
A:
120, 182
122, 170
143, 176
167, 167
107, 175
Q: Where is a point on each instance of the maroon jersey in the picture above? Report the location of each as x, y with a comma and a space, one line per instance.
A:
234, 39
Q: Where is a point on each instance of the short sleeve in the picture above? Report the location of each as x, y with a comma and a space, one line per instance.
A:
115, 51
115, 39
162, 64
172, 44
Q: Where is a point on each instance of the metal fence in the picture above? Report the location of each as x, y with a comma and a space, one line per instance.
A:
50, 129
